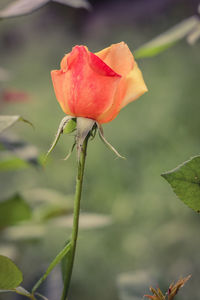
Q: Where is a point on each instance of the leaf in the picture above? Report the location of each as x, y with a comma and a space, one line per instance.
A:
8, 121
25, 7
75, 3
10, 274
12, 164
25, 152
167, 39
14, 210
21, 7
52, 265
185, 181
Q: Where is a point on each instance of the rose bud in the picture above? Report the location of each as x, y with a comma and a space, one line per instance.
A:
97, 86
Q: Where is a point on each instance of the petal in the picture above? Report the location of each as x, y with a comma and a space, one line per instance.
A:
129, 89
114, 108
136, 86
89, 84
59, 79
118, 57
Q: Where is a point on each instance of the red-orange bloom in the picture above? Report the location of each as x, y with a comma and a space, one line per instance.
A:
97, 86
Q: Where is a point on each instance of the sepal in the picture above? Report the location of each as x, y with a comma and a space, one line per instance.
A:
101, 134
84, 126
61, 128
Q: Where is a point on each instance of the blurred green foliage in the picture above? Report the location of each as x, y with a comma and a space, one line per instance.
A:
151, 230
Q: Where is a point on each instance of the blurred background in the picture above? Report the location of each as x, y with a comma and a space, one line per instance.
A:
135, 232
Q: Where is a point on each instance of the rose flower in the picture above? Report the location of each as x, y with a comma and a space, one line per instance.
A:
97, 86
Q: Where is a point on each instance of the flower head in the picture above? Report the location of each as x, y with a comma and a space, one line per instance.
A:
97, 86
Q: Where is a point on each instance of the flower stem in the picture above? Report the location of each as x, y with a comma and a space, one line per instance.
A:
77, 199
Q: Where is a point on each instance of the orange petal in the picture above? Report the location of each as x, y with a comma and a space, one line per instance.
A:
118, 57
87, 84
136, 86
59, 79
114, 108
129, 89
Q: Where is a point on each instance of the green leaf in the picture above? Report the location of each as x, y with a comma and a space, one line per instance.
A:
185, 181
21, 7
23, 154
8, 121
12, 164
167, 39
10, 275
56, 260
14, 210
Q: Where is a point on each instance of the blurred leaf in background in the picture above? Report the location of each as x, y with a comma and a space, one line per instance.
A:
8, 121
167, 39
14, 210
16, 154
24, 7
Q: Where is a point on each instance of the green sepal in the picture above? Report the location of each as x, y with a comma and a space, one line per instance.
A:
101, 134
61, 127
84, 126
70, 126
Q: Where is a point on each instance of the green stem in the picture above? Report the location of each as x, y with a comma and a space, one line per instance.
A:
79, 183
